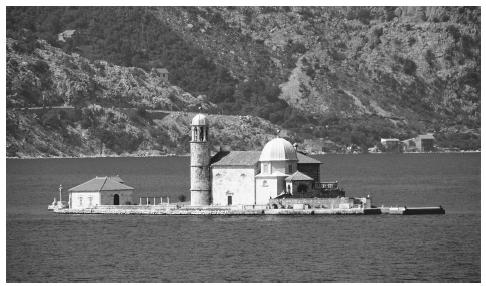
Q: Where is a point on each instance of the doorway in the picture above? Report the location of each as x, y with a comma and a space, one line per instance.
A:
230, 200
116, 199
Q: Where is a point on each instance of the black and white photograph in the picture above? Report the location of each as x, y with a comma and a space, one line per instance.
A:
250, 144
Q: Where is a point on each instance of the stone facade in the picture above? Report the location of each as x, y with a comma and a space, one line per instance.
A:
233, 185
84, 199
325, 203
268, 186
124, 197
200, 176
286, 167
79, 200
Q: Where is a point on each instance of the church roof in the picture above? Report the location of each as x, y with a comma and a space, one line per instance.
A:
298, 176
278, 149
101, 184
199, 120
303, 159
239, 158
117, 178
250, 158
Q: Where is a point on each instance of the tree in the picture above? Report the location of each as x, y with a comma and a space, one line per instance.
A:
301, 189
181, 198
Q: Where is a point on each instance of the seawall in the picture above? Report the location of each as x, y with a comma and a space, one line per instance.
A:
174, 210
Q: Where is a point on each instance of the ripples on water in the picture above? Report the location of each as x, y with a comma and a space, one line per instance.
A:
45, 247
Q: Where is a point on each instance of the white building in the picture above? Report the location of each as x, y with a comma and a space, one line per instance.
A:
233, 178
100, 191
248, 177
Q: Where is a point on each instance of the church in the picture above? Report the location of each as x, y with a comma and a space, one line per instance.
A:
252, 177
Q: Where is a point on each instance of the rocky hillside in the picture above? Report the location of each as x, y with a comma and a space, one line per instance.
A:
49, 77
104, 109
416, 67
347, 74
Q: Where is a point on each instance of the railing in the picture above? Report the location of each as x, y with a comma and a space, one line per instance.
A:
326, 185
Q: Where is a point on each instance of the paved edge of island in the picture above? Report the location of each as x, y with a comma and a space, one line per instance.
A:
214, 210
219, 211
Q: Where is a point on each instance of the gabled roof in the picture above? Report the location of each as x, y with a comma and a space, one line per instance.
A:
101, 184
303, 159
298, 176
239, 158
283, 195
117, 178
426, 136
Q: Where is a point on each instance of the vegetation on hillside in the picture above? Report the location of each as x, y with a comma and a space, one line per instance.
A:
348, 74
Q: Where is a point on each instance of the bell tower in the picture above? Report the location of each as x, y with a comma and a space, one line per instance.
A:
200, 184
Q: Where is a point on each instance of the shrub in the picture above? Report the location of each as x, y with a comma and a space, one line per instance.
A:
449, 54
26, 44
119, 141
389, 12
52, 120
411, 41
454, 32
429, 57
364, 15
12, 151
378, 32
40, 67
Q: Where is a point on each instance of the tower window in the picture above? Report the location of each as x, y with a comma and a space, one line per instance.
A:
265, 168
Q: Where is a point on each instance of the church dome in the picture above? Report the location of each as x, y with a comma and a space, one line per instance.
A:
278, 149
199, 120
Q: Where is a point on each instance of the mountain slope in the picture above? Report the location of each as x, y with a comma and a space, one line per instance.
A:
103, 109
349, 74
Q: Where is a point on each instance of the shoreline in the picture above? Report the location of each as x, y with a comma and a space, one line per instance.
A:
97, 156
187, 155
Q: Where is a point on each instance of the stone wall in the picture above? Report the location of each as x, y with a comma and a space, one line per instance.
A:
268, 187
107, 197
177, 210
318, 203
79, 200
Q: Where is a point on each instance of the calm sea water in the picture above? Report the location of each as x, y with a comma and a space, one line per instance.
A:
45, 247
